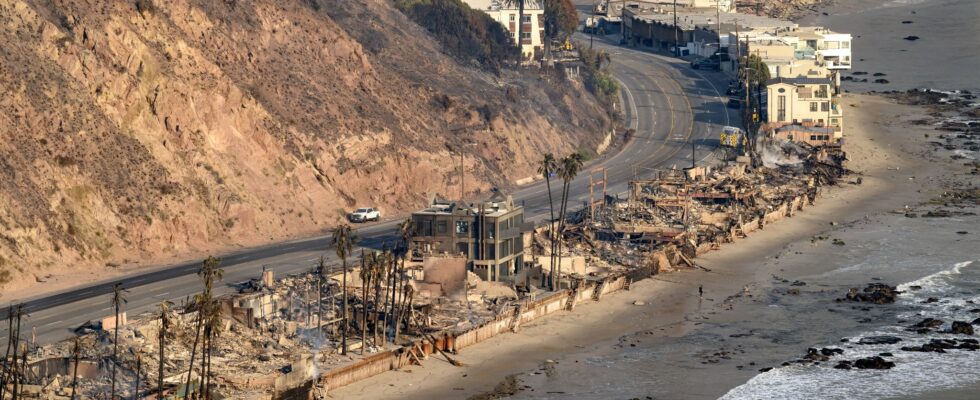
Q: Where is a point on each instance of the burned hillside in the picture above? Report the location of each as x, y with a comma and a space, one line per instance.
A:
137, 129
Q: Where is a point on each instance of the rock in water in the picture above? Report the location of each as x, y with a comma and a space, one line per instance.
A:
961, 328
829, 351
873, 363
879, 340
877, 293
928, 323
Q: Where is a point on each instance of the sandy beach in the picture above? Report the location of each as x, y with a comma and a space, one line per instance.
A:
682, 331
771, 296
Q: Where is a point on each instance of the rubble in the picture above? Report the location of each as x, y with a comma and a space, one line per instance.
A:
284, 336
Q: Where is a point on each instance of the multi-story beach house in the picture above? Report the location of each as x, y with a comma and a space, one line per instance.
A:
507, 13
489, 234
807, 102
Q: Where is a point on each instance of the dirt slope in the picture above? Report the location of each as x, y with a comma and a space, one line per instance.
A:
170, 129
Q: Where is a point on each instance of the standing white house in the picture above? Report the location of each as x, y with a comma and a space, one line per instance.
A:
507, 13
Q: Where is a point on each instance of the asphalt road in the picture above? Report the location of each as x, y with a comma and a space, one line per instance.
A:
669, 105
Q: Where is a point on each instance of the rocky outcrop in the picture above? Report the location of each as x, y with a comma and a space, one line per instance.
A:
961, 328
877, 293
926, 325
875, 362
941, 345
879, 340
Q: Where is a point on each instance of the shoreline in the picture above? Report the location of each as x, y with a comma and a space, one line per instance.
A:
672, 308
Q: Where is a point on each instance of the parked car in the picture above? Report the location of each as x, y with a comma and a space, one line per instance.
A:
735, 103
364, 215
706, 63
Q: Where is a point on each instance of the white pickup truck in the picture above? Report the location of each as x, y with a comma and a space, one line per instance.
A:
364, 215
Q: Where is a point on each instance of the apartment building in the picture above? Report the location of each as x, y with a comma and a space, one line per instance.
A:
806, 102
532, 34
489, 234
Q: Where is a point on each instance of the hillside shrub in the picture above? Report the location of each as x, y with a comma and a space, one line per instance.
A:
467, 34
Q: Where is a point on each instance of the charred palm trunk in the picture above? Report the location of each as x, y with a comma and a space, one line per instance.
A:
164, 322
343, 328
139, 371
115, 355
364, 288
556, 278
76, 351
551, 204
197, 339
5, 374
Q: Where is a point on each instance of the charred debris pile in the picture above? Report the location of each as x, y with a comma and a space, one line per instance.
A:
276, 338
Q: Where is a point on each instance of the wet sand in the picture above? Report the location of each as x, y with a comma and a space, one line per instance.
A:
672, 320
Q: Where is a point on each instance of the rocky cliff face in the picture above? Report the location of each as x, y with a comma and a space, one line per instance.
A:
134, 130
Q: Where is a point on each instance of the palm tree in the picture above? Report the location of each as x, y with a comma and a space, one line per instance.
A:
570, 167
320, 271
165, 307
754, 72
209, 273
139, 372
546, 168
76, 351
343, 241
369, 268
212, 331
520, 26
117, 301
406, 229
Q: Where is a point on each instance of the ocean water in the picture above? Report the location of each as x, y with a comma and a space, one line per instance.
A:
915, 373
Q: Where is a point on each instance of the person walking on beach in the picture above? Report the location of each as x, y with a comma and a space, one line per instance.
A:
700, 291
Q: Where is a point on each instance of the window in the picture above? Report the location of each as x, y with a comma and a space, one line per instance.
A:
527, 19
781, 110
462, 227
441, 227
845, 45
525, 35
824, 106
513, 17
813, 137
813, 106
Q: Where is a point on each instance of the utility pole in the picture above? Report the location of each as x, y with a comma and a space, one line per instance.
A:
462, 176
718, 10
677, 49
622, 21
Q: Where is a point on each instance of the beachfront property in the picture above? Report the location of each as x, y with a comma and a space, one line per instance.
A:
804, 103
788, 49
489, 234
697, 32
532, 34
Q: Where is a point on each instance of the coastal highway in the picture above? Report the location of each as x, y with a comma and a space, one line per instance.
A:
669, 105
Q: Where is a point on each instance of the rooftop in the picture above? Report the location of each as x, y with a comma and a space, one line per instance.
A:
708, 19
497, 5
497, 205
799, 81
802, 128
